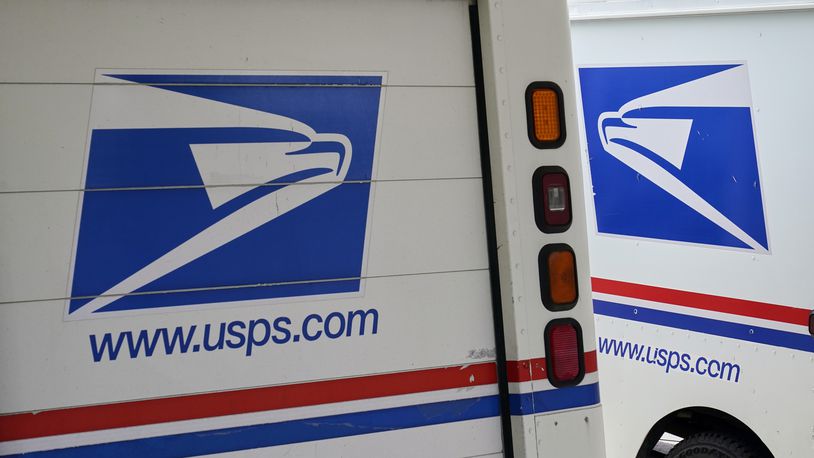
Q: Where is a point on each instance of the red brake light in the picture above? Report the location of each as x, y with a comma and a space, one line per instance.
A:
564, 353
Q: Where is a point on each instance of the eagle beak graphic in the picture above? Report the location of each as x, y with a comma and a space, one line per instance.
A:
284, 164
627, 136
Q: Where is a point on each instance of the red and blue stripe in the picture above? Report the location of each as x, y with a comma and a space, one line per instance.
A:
686, 301
214, 436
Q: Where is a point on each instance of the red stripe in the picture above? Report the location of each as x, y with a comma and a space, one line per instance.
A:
590, 362
526, 370
135, 413
534, 369
773, 312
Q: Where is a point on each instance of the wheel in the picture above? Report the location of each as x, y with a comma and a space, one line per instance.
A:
711, 445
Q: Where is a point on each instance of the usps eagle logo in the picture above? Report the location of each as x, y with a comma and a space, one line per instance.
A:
206, 189
672, 154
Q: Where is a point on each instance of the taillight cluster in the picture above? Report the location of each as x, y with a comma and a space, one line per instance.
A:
552, 214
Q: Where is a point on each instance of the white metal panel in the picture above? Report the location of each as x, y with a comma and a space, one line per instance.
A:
43, 129
585, 423
773, 396
408, 236
74, 38
526, 159
429, 133
52, 366
518, 50
37, 234
514, 169
780, 109
425, 230
603, 9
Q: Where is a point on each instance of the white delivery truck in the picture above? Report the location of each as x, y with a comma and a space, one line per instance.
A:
292, 228
696, 133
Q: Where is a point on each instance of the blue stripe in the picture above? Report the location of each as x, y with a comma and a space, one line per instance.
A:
290, 432
556, 399
728, 329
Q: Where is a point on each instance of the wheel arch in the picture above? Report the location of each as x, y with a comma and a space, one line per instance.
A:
690, 420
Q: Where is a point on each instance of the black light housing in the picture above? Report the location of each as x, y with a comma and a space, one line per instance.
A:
551, 192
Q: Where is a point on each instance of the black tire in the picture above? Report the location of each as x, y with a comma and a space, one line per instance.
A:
711, 445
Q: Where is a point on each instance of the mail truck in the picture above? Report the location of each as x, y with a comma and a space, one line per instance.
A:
293, 228
695, 128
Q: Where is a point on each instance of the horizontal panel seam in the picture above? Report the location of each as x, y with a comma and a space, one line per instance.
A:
239, 185
253, 285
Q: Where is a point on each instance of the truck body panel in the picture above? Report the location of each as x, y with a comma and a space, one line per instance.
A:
267, 229
713, 302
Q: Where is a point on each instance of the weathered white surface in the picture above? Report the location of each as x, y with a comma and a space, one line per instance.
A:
583, 423
614, 9
72, 39
51, 359
426, 237
774, 394
519, 50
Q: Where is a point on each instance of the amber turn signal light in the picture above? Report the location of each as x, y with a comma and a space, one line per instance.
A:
558, 277
545, 115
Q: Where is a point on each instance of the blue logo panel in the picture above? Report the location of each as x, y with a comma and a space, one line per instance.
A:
256, 183
672, 154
